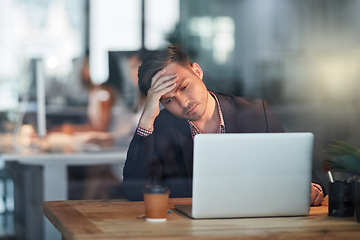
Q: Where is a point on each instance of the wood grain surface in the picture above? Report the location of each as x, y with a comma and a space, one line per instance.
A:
117, 219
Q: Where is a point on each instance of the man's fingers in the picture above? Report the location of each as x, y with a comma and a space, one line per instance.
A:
163, 79
313, 196
157, 76
318, 199
163, 82
163, 88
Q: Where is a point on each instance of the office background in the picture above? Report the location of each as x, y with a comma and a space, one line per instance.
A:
303, 57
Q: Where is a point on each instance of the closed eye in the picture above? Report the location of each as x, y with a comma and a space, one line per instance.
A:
167, 101
184, 87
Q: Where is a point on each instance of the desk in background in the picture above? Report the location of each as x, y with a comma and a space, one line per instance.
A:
44, 177
86, 220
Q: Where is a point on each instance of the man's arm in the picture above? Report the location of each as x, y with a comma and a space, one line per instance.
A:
138, 165
160, 85
140, 159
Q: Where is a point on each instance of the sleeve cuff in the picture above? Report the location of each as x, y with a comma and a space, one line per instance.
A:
144, 132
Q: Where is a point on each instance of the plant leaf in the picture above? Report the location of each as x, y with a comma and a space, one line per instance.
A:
346, 157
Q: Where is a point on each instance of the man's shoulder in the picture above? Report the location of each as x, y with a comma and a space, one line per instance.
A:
238, 100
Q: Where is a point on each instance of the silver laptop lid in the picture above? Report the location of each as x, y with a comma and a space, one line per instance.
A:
251, 175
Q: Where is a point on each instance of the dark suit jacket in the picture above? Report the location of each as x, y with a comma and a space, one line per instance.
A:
166, 156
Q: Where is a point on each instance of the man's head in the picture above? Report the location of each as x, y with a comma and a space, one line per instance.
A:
156, 61
188, 97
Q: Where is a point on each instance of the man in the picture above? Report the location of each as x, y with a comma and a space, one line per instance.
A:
161, 151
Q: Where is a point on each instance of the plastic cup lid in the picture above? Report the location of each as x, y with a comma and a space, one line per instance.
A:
158, 189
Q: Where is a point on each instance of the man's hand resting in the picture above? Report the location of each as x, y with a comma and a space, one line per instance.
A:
316, 194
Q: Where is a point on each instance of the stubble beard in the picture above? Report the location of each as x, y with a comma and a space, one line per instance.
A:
202, 106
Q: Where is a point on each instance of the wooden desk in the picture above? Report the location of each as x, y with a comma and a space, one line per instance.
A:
86, 220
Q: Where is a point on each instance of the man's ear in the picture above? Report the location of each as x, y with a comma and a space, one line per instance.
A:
197, 70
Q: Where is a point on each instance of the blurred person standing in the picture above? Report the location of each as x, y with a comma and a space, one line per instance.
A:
122, 124
134, 61
101, 100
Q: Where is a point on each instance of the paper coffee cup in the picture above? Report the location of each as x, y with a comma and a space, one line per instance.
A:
156, 200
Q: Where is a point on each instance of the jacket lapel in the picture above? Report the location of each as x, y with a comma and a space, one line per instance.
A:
229, 114
187, 148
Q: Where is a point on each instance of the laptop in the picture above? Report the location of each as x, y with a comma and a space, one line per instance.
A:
251, 175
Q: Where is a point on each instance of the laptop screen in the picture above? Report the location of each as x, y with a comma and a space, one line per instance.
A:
247, 175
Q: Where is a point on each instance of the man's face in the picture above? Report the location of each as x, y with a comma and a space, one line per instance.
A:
190, 97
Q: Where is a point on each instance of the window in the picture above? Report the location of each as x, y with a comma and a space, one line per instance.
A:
116, 25
41, 29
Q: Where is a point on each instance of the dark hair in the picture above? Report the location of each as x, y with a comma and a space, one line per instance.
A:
156, 60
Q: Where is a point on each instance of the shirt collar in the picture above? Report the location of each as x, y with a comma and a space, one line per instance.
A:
221, 128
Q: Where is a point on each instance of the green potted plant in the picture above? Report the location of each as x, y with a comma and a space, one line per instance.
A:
346, 158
